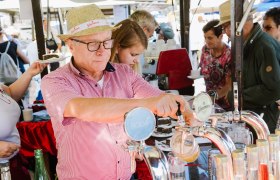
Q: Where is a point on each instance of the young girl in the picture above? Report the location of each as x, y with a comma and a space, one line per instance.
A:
130, 42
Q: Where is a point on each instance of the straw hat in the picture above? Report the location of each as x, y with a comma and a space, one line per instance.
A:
224, 10
85, 20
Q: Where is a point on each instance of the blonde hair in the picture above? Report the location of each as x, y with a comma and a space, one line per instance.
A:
144, 19
128, 35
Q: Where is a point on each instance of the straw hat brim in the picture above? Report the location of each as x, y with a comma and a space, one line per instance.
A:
226, 19
86, 32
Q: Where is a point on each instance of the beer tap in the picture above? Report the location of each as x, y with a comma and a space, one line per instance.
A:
236, 113
139, 125
249, 117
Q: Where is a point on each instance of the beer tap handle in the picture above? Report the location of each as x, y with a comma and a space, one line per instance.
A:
181, 120
132, 151
236, 113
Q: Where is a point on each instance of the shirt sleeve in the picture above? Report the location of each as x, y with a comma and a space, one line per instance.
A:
141, 88
57, 92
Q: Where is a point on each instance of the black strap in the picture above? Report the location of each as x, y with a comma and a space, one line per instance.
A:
52, 35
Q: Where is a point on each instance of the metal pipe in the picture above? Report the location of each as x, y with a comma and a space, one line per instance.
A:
256, 122
220, 139
217, 136
244, 18
157, 163
249, 117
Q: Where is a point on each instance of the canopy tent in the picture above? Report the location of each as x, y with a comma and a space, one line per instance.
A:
150, 5
206, 6
14, 4
267, 4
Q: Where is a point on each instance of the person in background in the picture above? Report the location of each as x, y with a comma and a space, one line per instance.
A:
225, 21
88, 98
10, 113
146, 21
261, 70
50, 33
271, 23
165, 32
215, 63
14, 50
130, 42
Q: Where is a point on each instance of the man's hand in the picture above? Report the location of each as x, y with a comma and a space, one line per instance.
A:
7, 149
191, 119
166, 105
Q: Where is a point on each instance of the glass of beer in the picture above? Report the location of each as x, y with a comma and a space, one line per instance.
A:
184, 146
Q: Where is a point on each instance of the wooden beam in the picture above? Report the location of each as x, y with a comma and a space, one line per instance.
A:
185, 23
237, 47
38, 22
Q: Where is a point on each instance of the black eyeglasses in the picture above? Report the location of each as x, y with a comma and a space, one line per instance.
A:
94, 46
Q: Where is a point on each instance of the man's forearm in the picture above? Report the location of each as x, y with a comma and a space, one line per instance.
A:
101, 109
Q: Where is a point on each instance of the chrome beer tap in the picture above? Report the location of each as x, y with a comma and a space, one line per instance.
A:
236, 113
139, 125
249, 117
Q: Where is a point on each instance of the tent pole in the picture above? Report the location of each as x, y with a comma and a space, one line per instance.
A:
237, 48
185, 23
38, 22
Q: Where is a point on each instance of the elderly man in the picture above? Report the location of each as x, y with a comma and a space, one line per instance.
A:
88, 98
146, 21
261, 70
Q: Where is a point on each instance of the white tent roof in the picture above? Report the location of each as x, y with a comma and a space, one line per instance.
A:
14, 4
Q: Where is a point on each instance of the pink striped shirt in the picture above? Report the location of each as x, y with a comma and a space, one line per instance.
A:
91, 150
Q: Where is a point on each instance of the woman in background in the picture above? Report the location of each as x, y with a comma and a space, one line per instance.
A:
14, 50
10, 113
130, 42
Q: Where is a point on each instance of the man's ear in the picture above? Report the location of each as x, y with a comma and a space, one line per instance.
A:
70, 44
